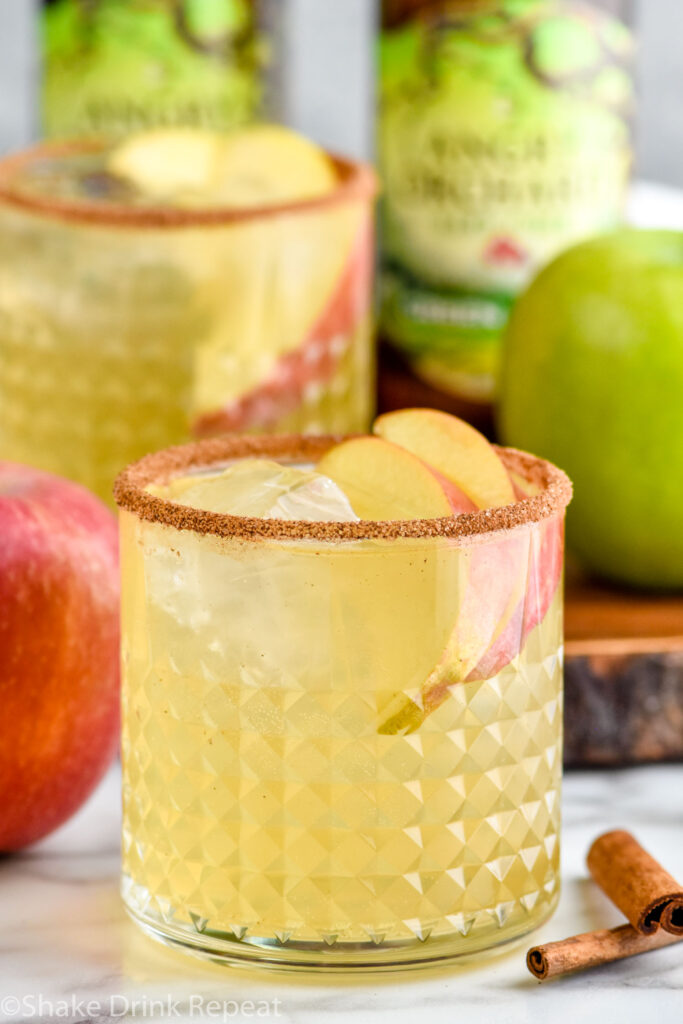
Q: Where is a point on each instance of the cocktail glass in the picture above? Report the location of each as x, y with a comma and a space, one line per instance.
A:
125, 326
341, 741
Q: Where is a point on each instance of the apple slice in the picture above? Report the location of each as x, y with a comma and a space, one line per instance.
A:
268, 164
266, 338
385, 482
510, 585
523, 488
546, 562
455, 449
166, 162
510, 588
314, 362
260, 165
542, 580
495, 577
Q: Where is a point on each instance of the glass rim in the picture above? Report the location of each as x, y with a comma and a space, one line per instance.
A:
357, 183
163, 466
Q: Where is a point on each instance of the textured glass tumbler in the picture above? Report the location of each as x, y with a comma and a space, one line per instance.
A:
341, 742
125, 328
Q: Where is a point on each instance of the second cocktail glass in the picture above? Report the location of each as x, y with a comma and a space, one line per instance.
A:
127, 325
342, 740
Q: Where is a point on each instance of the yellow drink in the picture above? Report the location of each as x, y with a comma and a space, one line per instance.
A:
271, 811
126, 325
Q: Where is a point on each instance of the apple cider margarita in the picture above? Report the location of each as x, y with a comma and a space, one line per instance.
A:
180, 284
342, 710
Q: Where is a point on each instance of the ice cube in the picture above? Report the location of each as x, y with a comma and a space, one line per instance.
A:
259, 487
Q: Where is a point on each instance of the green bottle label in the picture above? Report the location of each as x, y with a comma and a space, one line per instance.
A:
115, 66
504, 137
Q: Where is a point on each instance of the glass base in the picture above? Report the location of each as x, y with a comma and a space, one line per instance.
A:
227, 949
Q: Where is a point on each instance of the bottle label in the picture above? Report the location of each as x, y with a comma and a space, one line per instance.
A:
504, 137
116, 66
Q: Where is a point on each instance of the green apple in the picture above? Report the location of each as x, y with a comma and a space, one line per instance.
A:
593, 380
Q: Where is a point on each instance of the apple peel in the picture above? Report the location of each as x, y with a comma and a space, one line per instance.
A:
384, 482
526, 605
454, 448
537, 582
494, 593
313, 362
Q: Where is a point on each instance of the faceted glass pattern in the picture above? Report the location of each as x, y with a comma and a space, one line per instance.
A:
272, 812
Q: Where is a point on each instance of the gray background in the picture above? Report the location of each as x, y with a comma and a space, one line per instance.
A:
328, 89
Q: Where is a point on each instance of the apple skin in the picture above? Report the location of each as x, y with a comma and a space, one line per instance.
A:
593, 380
511, 585
385, 482
59, 650
454, 448
315, 361
546, 560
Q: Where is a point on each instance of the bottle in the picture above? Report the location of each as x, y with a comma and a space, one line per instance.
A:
504, 137
116, 66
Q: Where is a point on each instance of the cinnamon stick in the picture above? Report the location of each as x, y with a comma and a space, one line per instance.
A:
593, 949
646, 894
672, 918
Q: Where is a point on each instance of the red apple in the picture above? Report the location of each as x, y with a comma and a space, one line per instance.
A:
59, 650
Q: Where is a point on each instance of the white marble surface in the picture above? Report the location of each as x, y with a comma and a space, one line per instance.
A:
65, 939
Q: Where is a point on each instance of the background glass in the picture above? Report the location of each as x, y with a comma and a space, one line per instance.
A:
125, 329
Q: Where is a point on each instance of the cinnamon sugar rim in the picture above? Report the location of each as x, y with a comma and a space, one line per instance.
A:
164, 466
357, 182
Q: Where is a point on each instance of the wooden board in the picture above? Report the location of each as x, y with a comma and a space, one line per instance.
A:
623, 676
